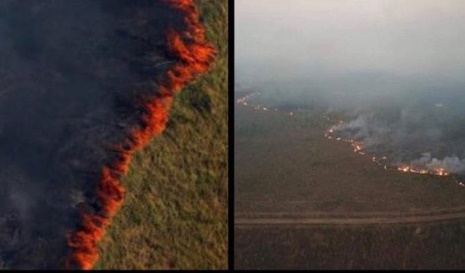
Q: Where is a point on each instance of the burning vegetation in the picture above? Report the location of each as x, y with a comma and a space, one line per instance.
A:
245, 100
83, 85
424, 165
358, 132
195, 55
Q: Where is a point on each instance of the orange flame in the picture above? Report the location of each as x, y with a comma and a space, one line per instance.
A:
195, 57
438, 171
403, 168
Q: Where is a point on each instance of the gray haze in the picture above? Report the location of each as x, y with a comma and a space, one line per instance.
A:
398, 66
326, 38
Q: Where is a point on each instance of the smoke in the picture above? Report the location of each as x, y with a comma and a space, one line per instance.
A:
81, 84
424, 137
393, 68
452, 164
195, 55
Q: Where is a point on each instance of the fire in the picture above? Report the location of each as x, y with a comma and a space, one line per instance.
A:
244, 101
357, 147
195, 57
441, 172
403, 168
420, 171
438, 171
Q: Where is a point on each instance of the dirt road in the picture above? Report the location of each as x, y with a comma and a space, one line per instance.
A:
361, 218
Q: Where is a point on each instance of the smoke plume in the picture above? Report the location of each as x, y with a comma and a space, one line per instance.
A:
391, 69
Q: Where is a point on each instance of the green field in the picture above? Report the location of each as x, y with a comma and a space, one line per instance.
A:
175, 212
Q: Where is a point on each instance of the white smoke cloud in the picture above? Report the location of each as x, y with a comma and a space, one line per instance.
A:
401, 136
451, 164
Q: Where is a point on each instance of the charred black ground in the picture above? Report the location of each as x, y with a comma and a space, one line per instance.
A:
72, 74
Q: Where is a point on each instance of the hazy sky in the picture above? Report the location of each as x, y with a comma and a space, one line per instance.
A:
399, 65
423, 39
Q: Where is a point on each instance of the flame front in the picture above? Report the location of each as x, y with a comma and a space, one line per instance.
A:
412, 169
245, 101
358, 148
195, 57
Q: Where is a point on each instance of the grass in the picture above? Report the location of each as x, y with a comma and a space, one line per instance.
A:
434, 246
175, 210
284, 165
269, 123
281, 159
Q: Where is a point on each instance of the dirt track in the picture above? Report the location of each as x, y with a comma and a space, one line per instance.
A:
358, 218
349, 221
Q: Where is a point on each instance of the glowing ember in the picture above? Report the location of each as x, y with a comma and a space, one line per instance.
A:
357, 147
404, 169
440, 171
244, 102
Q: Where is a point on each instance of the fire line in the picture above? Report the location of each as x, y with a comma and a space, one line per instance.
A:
195, 57
406, 168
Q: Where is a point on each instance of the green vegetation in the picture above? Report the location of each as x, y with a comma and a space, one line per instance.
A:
175, 211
